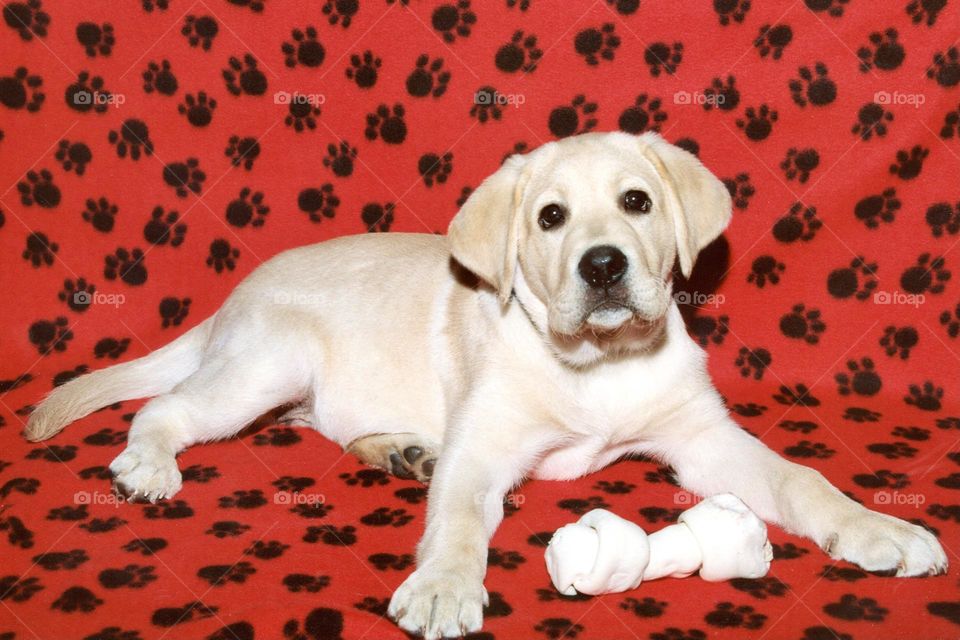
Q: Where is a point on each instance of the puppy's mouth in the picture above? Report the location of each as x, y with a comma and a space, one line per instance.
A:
608, 316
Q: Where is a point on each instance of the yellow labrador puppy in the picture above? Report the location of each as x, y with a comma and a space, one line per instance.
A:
566, 354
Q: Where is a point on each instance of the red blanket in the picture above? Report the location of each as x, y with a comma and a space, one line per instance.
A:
155, 152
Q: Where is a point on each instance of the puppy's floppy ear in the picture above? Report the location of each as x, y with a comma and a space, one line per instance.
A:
700, 201
484, 235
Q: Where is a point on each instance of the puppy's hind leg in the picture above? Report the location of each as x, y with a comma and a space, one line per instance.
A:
405, 455
216, 402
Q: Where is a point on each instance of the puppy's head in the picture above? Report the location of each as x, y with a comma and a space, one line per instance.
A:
587, 229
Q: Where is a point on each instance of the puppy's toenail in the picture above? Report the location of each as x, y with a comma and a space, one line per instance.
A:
410, 454
428, 466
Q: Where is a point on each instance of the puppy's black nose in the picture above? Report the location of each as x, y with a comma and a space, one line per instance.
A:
602, 266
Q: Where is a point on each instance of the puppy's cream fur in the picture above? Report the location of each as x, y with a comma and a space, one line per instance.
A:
530, 373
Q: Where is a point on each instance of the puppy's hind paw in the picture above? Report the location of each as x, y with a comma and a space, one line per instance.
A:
140, 473
405, 455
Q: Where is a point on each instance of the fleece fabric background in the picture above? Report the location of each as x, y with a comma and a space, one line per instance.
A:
153, 153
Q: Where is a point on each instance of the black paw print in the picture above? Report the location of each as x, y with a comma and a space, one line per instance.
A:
909, 163
50, 335
899, 341
557, 628
277, 437
926, 397
220, 574
753, 362
951, 321
39, 189
198, 473
87, 93
861, 415
845, 282
943, 216
241, 499
814, 87
199, 110
642, 115
748, 410
247, 208
725, 614
384, 561
57, 561
39, 250
184, 177
297, 582
222, 256
883, 52
26, 18
73, 599
331, 535
173, 311
96, 38
254, 5
731, 10
580, 506
504, 558
78, 295
159, 78
788, 551
761, 588
916, 434
341, 11
384, 516
740, 189
319, 203
21, 91
722, 94
663, 58
803, 324
520, 54
880, 480
305, 49
876, 208
757, 124
428, 78
654, 515
451, 20
73, 156
128, 265
617, 487
110, 348
242, 151
807, 449
773, 39
834, 8
133, 138
101, 214
597, 43
925, 10
244, 77
708, 329
132, 576
164, 227
200, 31
340, 158
366, 478
363, 69
623, 7
387, 124
929, 275
945, 68
871, 119
798, 394
799, 163
765, 269
566, 120
862, 379
302, 114
377, 217
801, 426
850, 607
434, 168
646, 608
800, 223
486, 104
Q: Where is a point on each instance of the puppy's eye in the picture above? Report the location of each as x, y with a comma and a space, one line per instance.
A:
636, 201
551, 216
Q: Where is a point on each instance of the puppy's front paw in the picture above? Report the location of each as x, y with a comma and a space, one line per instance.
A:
878, 542
142, 473
439, 604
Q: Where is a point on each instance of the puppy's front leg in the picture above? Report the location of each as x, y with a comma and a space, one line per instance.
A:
445, 596
721, 457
